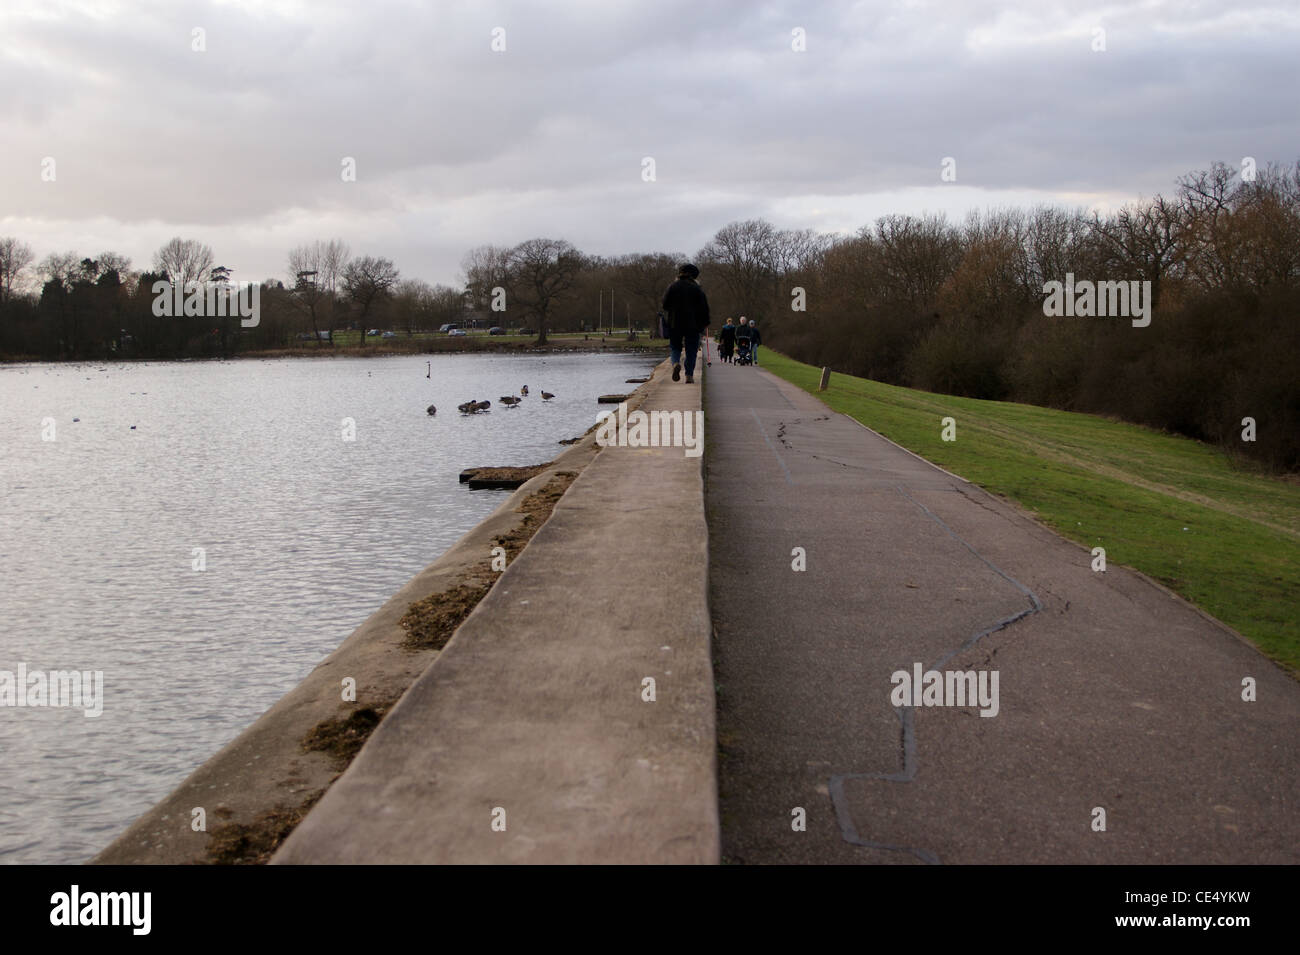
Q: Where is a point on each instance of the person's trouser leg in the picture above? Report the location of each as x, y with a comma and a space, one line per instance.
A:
675, 347
690, 346
754, 354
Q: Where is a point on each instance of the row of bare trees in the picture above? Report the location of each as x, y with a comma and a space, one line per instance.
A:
548, 284
958, 308
72, 306
915, 300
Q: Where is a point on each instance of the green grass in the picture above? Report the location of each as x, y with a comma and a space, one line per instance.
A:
1224, 537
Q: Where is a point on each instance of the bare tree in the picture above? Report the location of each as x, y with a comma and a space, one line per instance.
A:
1144, 241
797, 250
990, 282
1242, 234
742, 255
1056, 243
114, 262
542, 270
446, 305
307, 296
412, 305
315, 270
61, 267
15, 256
185, 261
485, 268
797, 255
332, 258
325, 260
912, 256
1206, 199
643, 278
1268, 220
996, 272
368, 281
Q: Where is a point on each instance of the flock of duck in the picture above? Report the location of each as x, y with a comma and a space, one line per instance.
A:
510, 401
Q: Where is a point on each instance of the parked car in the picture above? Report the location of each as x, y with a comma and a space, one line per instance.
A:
496, 330
457, 331
448, 327
525, 331
390, 334
372, 332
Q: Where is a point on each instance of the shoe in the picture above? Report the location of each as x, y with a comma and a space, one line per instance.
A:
677, 372
690, 379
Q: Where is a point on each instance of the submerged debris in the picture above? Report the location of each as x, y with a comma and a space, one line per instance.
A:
508, 477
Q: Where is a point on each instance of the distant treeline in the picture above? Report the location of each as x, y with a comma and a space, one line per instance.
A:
919, 301
960, 309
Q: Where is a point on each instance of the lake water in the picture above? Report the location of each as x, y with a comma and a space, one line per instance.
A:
303, 535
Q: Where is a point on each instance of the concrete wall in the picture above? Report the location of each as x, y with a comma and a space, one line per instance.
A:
530, 738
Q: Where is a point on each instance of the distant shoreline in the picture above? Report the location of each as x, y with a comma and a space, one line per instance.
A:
423, 346
455, 346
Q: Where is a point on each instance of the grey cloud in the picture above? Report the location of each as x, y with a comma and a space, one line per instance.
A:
456, 145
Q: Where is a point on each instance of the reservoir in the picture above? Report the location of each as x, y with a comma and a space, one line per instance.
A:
207, 532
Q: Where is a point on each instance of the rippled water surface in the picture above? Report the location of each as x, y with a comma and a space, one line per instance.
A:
304, 534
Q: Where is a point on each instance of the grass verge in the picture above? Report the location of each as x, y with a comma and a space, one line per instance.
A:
1223, 536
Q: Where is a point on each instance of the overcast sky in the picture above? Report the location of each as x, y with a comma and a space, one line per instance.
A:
241, 145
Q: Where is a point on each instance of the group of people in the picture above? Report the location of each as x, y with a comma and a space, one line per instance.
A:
738, 344
685, 317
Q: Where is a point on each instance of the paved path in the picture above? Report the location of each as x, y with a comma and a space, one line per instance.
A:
1112, 693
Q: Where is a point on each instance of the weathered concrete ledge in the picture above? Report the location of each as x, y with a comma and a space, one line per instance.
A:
266, 766
531, 737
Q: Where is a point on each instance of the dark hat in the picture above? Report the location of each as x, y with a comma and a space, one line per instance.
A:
688, 271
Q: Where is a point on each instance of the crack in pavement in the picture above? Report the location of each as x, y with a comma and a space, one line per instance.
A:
779, 460
906, 714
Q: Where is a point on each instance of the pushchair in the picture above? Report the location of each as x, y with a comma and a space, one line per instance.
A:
744, 352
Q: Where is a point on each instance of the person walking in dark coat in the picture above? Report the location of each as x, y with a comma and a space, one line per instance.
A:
755, 339
727, 341
687, 308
